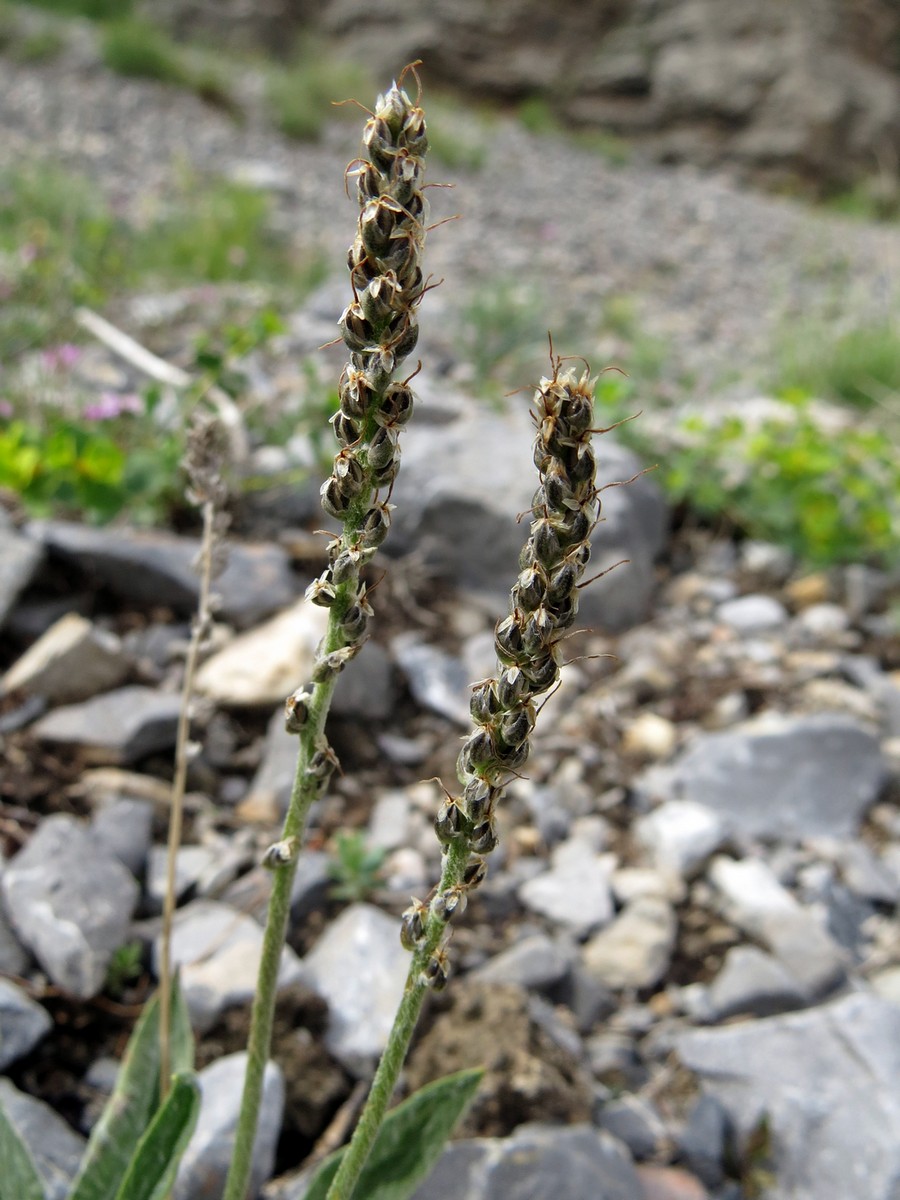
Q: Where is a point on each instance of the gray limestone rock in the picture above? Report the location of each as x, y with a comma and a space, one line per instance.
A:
536, 962
55, 1150
118, 727
755, 901
779, 777
218, 950
152, 568
634, 1121
70, 901
753, 614
201, 1175
263, 665
20, 558
360, 968
753, 983
575, 892
827, 1081
635, 950
366, 688
22, 1023
536, 1162
270, 788
680, 835
72, 661
125, 828
457, 506
437, 681
191, 864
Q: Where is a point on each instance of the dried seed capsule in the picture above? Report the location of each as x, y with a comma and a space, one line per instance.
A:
349, 473
511, 687
436, 971
379, 143
346, 564
322, 763
296, 710
384, 477
382, 448
512, 758
529, 588
331, 664
375, 526
449, 821
405, 341
508, 642
579, 412
397, 405
478, 800
546, 545
562, 583
346, 430
333, 499
412, 925
356, 331
475, 872
541, 673
538, 629
449, 903
356, 618
483, 839
477, 752
572, 528
484, 703
280, 854
516, 727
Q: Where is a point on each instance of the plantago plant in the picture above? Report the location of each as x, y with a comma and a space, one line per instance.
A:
379, 329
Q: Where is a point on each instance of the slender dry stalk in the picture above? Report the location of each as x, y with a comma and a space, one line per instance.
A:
203, 463
380, 329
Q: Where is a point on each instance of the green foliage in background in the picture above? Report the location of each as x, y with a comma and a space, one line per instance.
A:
62, 245
355, 869
859, 367
829, 498
300, 96
95, 10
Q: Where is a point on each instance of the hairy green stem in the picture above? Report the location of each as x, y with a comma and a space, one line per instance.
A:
395, 1051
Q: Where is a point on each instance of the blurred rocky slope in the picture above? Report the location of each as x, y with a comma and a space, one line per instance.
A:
807, 90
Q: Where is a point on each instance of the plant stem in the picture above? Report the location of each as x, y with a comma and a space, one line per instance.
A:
395, 1051
179, 783
304, 791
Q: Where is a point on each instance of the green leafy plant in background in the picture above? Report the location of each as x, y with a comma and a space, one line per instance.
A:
500, 326
301, 95
789, 478
125, 966
134, 1148
355, 868
136, 47
860, 366
94, 10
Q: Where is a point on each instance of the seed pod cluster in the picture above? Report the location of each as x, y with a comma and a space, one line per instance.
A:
379, 329
543, 605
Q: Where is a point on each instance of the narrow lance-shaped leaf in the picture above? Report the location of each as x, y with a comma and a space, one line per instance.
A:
408, 1143
153, 1167
133, 1102
19, 1179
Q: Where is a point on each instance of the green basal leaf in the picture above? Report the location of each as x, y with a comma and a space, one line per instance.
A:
134, 1101
408, 1143
151, 1172
19, 1179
